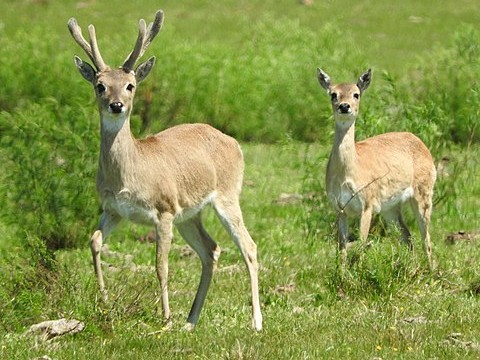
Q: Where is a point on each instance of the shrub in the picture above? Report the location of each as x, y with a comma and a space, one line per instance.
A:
447, 92
264, 90
49, 172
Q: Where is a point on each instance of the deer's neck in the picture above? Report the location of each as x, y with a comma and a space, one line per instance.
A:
344, 155
118, 149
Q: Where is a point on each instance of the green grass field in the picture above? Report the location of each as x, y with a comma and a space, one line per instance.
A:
248, 68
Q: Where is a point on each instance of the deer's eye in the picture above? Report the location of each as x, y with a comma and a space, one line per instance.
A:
130, 87
334, 96
101, 88
356, 96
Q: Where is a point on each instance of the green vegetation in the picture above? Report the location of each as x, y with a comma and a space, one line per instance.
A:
248, 68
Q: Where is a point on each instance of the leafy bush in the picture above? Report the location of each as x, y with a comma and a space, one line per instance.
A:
264, 90
448, 89
38, 69
49, 174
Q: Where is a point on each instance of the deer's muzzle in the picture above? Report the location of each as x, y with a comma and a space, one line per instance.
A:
344, 108
116, 107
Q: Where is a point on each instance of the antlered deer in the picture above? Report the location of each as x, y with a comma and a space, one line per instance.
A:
165, 179
376, 175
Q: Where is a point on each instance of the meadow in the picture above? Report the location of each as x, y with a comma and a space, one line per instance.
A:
249, 69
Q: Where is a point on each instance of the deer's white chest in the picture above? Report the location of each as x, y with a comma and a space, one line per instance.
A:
345, 197
351, 198
128, 207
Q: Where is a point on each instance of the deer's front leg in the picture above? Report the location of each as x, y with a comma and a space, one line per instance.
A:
164, 236
365, 222
342, 225
107, 223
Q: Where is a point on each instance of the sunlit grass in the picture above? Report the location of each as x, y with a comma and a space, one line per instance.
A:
386, 303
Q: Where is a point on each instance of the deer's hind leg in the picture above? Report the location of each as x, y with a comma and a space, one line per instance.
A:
422, 208
394, 216
197, 237
230, 214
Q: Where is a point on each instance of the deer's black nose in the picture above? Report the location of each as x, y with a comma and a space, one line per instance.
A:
344, 108
116, 107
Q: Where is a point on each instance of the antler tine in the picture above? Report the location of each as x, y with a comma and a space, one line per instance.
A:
76, 32
153, 28
91, 49
135, 54
145, 37
97, 58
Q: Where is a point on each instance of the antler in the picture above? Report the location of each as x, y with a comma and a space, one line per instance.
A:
145, 37
91, 49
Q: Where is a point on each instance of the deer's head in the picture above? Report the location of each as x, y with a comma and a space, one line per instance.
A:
115, 88
345, 98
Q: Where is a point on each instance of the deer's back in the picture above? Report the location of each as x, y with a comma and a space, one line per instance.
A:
397, 165
402, 154
190, 149
192, 163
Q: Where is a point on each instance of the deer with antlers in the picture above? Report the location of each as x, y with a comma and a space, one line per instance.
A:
165, 179
376, 175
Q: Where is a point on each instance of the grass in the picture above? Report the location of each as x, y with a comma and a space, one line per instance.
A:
247, 67
386, 304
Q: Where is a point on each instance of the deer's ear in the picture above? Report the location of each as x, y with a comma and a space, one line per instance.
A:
144, 68
87, 71
364, 80
323, 79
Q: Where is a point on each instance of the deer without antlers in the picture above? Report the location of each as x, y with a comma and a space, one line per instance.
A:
376, 175
165, 179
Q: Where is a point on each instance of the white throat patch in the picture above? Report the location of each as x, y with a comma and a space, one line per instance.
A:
113, 122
